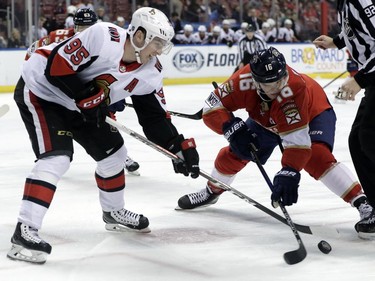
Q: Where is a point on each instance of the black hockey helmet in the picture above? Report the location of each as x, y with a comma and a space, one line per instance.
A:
268, 66
250, 28
85, 17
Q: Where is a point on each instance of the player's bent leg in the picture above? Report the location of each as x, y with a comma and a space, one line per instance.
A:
341, 181
111, 194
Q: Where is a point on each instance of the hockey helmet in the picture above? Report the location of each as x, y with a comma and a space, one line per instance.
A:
216, 29
154, 24
202, 28
250, 28
85, 17
268, 68
288, 22
188, 28
71, 10
244, 25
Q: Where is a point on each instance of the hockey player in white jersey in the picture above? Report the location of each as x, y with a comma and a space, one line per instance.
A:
67, 89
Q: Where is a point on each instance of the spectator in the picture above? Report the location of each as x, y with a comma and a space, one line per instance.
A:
176, 22
15, 40
252, 18
85, 4
177, 6
3, 42
100, 12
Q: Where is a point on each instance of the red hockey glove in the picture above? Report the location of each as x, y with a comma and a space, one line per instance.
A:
185, 149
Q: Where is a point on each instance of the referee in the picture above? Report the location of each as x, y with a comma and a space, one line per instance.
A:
249, 44
357, 22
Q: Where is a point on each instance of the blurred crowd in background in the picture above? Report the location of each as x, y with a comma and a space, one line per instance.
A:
195, 21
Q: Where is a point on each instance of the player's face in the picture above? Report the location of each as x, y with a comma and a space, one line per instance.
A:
271, 90
156, 47
250, 34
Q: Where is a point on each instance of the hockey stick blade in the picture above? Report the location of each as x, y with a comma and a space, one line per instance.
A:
4, 109
296, 256
300, 254
302, 228
195, 116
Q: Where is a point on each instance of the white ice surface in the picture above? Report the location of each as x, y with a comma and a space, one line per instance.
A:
231, 240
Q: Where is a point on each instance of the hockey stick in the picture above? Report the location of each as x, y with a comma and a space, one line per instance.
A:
4, 109
195, 116
334, 79
294, 256
303, 228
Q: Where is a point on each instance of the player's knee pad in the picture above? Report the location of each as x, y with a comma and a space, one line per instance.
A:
341, 181
321, 160
113, 164
228, 163
50, 169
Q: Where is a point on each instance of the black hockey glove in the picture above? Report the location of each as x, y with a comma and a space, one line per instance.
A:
185, 149
242, 141
285, 187
93, 108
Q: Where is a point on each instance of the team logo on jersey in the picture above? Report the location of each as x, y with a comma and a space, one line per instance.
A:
188, 60
115, 36
104, 81
291, 112
226, 89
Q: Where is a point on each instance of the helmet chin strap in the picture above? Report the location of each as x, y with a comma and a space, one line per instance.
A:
138, 56
137, 50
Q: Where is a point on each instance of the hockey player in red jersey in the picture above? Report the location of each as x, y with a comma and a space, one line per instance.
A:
280, 103
83, 18
68, 87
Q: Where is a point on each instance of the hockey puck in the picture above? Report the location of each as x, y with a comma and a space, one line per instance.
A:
324, 247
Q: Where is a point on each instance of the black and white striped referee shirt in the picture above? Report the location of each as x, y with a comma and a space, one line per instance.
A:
357, 21
247, 47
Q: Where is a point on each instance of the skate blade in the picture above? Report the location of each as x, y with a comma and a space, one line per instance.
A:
20, 253
178, 208
134, 173
366, 236
123, 228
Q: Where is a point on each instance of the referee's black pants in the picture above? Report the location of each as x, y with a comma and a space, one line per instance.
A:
362, 143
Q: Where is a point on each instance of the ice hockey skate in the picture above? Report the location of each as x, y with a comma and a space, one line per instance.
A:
203, 198
124, 220
366, 227
132, 166
28, 246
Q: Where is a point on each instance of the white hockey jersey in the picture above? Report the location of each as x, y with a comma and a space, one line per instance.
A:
94, 54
